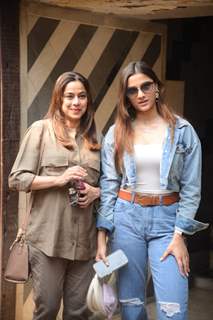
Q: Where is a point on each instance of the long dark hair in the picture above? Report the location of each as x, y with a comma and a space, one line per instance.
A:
87, 126
126, 112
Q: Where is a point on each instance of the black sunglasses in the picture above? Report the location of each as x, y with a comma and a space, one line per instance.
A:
146, 87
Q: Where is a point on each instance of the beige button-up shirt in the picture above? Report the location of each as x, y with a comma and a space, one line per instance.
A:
55, 227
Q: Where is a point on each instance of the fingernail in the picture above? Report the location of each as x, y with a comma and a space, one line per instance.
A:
107, 263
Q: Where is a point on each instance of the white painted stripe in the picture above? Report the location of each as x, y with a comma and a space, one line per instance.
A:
48, 58
19, 302
94, 50
28, 307
108, 103
31, 21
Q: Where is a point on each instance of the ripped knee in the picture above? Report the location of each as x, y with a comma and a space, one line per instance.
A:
170, 308
132, 302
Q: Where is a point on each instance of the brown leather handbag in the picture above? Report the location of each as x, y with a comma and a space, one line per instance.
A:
18, 267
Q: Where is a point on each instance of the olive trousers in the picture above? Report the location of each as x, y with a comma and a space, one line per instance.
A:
55, 279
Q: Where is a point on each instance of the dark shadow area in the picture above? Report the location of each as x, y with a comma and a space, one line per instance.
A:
189, 59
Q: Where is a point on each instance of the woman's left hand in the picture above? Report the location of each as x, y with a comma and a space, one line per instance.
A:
88, 195
178, 249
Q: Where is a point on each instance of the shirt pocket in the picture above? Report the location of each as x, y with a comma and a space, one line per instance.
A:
93, 168
94, 164
54, 166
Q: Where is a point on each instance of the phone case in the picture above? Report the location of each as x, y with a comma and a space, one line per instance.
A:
116, 260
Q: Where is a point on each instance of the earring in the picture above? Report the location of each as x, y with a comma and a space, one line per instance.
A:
157, 95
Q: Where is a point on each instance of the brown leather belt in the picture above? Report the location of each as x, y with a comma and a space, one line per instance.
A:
152, 200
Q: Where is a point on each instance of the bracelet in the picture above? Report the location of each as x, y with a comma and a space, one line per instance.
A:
179, 232
102, 229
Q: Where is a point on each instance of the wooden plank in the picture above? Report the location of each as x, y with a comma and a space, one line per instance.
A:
175, 95
10, 109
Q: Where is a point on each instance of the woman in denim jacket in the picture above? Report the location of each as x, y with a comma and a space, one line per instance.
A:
150, 192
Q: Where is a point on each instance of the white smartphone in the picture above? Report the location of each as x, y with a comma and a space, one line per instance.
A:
116, 260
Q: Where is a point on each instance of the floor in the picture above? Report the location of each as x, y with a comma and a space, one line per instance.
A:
200, 305
200, 302
200, 299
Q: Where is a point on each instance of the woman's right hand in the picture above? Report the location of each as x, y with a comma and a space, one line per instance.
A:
102, 247
178, 249
75, 172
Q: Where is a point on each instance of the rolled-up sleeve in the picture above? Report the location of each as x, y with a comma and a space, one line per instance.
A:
109, 182
26, 164
190, 191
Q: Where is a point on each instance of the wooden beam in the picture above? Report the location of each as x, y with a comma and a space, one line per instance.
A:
140, 9
9, 141
1, 162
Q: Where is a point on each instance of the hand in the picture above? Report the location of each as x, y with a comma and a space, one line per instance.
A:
75, 172
88, 195
102, 247
178, 249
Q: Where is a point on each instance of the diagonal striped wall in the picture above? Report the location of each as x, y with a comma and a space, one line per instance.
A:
55, 46
51, 45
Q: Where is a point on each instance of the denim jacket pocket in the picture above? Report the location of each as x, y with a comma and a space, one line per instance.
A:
178, 161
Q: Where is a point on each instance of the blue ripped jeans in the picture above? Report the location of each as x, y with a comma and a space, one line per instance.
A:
144, 233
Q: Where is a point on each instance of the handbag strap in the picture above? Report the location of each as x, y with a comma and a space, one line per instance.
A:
22, 229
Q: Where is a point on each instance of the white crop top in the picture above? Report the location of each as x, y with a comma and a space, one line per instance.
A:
147, 158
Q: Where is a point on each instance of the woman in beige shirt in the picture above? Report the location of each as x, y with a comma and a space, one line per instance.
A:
61, 237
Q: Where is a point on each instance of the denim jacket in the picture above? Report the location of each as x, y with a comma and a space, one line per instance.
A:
180, 171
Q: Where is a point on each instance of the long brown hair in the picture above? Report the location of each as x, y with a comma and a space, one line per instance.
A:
87, 126
126, 112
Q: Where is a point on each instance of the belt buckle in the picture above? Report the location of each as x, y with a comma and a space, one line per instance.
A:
152, 200
149, 200
140, 198
146, 201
